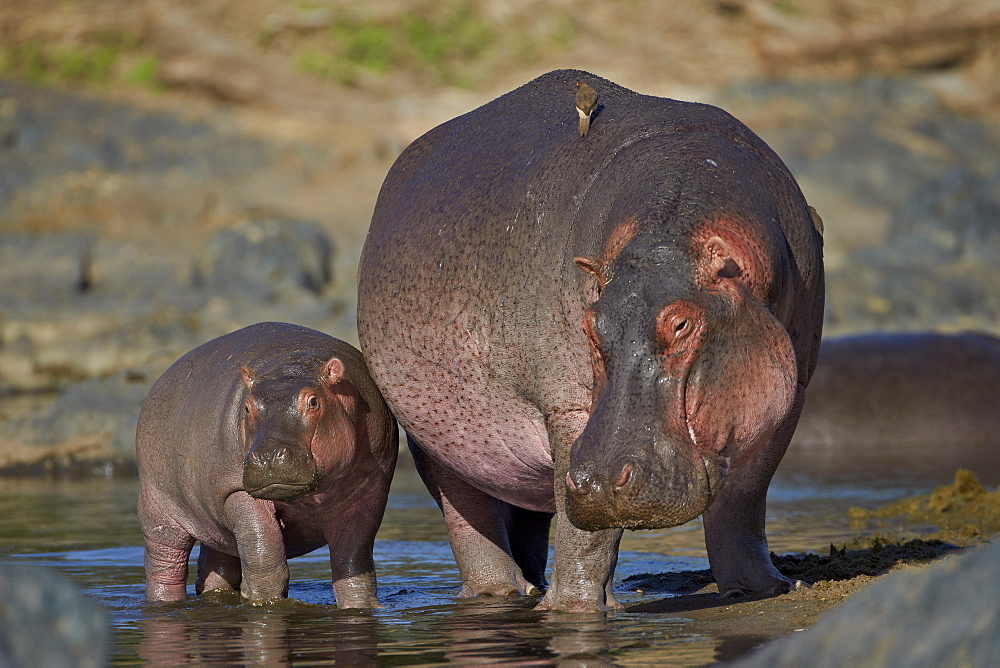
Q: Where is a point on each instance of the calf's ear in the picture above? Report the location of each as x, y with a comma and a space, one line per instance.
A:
333, 370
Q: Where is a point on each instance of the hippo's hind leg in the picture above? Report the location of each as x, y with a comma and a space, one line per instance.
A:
217, 570
477, 531
734, 522
528, 535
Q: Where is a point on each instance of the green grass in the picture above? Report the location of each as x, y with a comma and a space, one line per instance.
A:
143, 73
440, 43
96, 63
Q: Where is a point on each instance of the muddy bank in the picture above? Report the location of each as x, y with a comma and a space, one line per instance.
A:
956, 521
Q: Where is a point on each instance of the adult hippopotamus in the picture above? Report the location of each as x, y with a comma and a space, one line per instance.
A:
264, 444
618, 328
907, 403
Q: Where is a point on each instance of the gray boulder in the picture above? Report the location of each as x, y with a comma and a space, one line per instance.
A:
944, 615
267, 259
46, 621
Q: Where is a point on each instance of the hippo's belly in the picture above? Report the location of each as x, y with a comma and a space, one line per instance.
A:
474, 425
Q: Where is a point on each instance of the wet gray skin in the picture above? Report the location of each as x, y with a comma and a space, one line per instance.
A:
660, 345
280, 465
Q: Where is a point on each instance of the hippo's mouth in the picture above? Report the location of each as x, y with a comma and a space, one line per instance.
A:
647, 495
284, 491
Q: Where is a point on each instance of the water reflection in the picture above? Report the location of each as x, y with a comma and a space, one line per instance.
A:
233, 634
470, 632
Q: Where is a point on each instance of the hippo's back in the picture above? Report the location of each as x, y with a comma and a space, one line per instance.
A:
918, 403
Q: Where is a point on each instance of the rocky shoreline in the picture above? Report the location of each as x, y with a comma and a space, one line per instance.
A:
131, 236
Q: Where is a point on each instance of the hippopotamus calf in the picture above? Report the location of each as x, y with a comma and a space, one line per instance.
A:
618, 330
264, 444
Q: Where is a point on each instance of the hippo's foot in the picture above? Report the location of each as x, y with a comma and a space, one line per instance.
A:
553, 601
261, 602
776, 587
355, 591
513, 584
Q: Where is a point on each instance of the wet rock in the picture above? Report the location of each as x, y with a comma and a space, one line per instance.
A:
943, 615
89, 428
50, 345
46, 621
53, 134
266, 259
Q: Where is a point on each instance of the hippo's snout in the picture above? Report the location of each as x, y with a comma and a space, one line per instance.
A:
639, 492
280, 472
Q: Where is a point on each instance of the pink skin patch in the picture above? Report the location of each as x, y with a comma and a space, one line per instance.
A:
738, 396
734, 364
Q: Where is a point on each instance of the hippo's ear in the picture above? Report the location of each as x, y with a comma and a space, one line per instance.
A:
718, 260
596, 269
592, 267
333, 370
250, 379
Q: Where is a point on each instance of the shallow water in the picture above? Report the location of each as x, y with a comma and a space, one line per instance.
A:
87, 529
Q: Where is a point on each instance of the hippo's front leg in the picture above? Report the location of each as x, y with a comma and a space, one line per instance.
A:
261, 547
584, 560
734, 522
351, 561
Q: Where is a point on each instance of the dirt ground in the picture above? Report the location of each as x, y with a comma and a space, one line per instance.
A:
965, 514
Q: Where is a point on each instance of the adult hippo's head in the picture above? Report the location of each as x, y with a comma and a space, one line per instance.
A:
294, 426
692, 372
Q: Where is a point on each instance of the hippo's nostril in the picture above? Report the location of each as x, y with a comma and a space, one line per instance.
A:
579, 482
570, 485
625, 476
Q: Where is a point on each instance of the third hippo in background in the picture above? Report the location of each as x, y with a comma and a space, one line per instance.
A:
617, 328
919, 403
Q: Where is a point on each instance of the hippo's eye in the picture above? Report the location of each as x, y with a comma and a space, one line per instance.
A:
675, 323
313, 402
